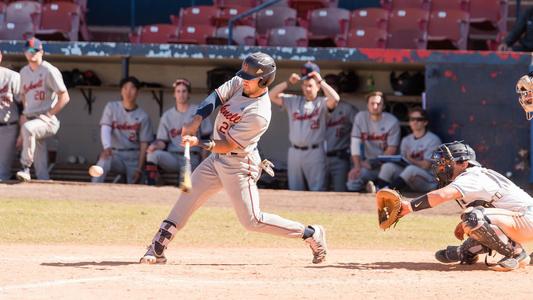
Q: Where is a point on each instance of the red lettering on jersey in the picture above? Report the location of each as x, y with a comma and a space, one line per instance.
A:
174, 132
333, 123
417, 155
230, 116
302, 117
32, 85
374, 137
4, 89
126, 126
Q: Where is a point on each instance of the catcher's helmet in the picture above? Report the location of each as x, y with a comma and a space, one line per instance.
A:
524, 89
447, 153
258, 65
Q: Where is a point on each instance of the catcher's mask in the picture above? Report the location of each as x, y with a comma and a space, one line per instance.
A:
445, 157
524, 89
258, 65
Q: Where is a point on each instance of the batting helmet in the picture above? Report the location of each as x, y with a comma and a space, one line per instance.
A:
524, 89
258, 65
445, 155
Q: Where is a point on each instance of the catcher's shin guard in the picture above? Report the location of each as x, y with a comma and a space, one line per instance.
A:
467, 253
162, 238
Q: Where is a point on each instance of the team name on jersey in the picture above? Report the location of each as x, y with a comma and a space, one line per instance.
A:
4, 89
126, 126
174, 132
417, 155
340, 121
230, 116
374, 137
32, 85
301, 117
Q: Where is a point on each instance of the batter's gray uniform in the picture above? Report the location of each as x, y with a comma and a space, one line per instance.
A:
375, 137
128, 130
243, 120
9, 116
306, 161
339, 127
418, 179
169, 131
39, 90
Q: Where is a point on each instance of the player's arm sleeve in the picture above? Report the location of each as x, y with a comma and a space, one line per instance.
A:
248, 131
206, 129
107, 115
105, 136
209, 105
393, 138
356, 142
54, 80
146, 132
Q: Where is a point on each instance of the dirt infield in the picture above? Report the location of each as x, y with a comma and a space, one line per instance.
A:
63, 271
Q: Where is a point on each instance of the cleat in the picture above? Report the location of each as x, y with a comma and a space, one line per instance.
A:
24, 175
507, 264
152, 258
317, 243
370, 187
452, 255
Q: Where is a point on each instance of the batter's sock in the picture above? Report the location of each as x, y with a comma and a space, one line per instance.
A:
398, 184
308, 232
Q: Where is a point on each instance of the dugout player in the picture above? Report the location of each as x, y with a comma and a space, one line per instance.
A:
125, 133
416, 148
374, 133
234, 164
497, 216
306, 162
9, 118
43, 94
166, 152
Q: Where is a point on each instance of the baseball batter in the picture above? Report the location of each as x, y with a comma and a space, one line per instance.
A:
339, 127
498, 214
416, 148
126, 131
9, 118
307, 127
374, 133
169, 135
43, 94
234, 164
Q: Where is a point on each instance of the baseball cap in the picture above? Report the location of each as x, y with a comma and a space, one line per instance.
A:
307, 68
33, 45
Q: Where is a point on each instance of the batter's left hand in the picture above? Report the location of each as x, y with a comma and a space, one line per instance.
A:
192, 139
192, 127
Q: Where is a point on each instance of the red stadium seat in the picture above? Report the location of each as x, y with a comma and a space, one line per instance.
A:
227, 13
156, 34
403, 4
325, 24
24, 12
303, 7
439, 5
450, 27
282, 3
489, 15
369, 37
274, 17
196, 15
242, 35
288, 36
16, 31
233, 3
195, 34
369, 17
60, 21
408, 29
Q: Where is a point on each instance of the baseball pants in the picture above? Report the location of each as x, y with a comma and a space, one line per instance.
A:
237, 176
418, 179
171, 161
122, 162
8, 134
307, 166
359, 184
337, 174
34, 150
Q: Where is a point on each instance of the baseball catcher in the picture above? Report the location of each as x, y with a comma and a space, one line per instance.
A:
497, 216
524, 89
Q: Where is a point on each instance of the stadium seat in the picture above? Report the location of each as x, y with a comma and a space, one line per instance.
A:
60, 21
242, 35
196, 15
3, 7
288, 36
440, 5
366, 37
195, 34
448, 27
24, 12
233, 3
489, 15
274, 17
303, 7
227, 13
325, 24
16, 31
403, 4
368, 17
408, 29
282, 3
155, 33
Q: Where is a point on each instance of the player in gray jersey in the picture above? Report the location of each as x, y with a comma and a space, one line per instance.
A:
497, 216
374, 133
339, 127
234, 164
43, 94
9, 118
416, 148
306, 162
126, 131
166, 151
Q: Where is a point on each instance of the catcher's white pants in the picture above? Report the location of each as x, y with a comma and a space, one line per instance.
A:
34, 149
8, 134
238, 176
517, 225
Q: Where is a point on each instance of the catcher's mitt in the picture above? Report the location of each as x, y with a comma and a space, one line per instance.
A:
389, 206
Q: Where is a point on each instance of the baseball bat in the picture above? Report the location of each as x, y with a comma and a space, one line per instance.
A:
185, 184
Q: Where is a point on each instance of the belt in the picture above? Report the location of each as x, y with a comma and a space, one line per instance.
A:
304, 148
235, 154
340, 152
125, 149
8, 123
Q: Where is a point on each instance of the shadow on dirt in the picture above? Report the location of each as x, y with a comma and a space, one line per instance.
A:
90, 263
412, 266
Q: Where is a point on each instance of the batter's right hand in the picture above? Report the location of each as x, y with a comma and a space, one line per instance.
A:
192, 127
106, 153
192, 139
294, 78
354, 173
